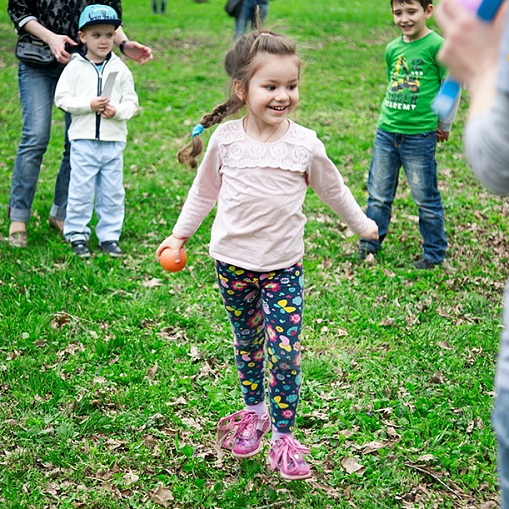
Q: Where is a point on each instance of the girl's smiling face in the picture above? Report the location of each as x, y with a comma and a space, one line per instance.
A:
411, 19
273, 92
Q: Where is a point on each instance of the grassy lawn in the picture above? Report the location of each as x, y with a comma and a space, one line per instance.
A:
113, 373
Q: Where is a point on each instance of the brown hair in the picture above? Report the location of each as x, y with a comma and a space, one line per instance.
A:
424, 3
240, 66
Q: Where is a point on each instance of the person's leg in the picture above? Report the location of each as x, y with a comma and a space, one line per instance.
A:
242, 431
163, 6
264, 10
245, 16
85, 166
419, 163
501, 412
110, 193
154, 6
241, 297
63, 178
37, 88
382, 185
283, 302
501, 425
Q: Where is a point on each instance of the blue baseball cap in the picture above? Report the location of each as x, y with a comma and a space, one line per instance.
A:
98, 14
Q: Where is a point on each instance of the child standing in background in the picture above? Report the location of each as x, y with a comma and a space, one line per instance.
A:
407, 132
163, 6
258, 170
97, 133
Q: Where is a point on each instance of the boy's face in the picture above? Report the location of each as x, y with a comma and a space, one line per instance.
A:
99, 40
411, 19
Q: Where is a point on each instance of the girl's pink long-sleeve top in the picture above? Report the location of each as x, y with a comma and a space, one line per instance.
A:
260, 190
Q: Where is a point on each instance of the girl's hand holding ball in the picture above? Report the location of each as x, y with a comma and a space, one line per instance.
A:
173, 263
171, 254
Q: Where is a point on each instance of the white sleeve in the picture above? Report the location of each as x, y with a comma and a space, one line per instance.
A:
328, 184
203, 193
67, 96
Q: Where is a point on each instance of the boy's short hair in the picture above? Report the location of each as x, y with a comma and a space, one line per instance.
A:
424, 3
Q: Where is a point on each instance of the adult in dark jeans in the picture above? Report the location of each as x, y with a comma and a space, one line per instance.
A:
248, 15
56, 24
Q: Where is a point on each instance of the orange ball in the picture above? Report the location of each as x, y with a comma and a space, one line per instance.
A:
167, 260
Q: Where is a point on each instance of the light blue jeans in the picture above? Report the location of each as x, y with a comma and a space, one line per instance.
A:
37, 90
248, 14
416, 153
96, 173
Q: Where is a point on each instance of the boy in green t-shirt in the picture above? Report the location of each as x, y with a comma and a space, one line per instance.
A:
408, 130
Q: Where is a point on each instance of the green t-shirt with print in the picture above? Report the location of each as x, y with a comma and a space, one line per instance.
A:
414, 76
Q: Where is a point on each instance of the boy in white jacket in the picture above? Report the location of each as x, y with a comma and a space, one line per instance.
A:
97, 133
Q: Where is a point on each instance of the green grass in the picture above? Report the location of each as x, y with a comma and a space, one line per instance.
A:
113, 374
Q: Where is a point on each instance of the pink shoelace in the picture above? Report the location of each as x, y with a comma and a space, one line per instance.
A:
286, 454
241, 424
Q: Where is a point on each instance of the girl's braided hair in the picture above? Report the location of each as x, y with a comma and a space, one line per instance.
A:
240, 66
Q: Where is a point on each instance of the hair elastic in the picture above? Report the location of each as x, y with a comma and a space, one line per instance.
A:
197, 130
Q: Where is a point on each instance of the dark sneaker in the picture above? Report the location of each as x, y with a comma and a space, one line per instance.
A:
80, 248
363, 251
111, 247
424, 264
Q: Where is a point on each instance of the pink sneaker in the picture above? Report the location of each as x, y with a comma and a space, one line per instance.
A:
285, 454
241, 433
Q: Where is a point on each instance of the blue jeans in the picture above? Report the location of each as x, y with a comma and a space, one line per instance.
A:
416, 153
37, 90
248, 15
97, 173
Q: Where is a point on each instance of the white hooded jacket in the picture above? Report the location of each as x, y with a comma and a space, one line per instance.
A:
79, 82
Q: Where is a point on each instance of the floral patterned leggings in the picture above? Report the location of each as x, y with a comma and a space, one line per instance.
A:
260, 305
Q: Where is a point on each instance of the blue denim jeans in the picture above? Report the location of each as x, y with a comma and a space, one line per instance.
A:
97, 175
248, 15
37, 90
416, 153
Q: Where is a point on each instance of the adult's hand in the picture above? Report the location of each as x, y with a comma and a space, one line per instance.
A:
139, 52
57, 44
470, 49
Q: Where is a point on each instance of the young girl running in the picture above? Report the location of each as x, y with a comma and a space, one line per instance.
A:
258, 170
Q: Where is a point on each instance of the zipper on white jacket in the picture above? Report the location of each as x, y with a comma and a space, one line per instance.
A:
99, 92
